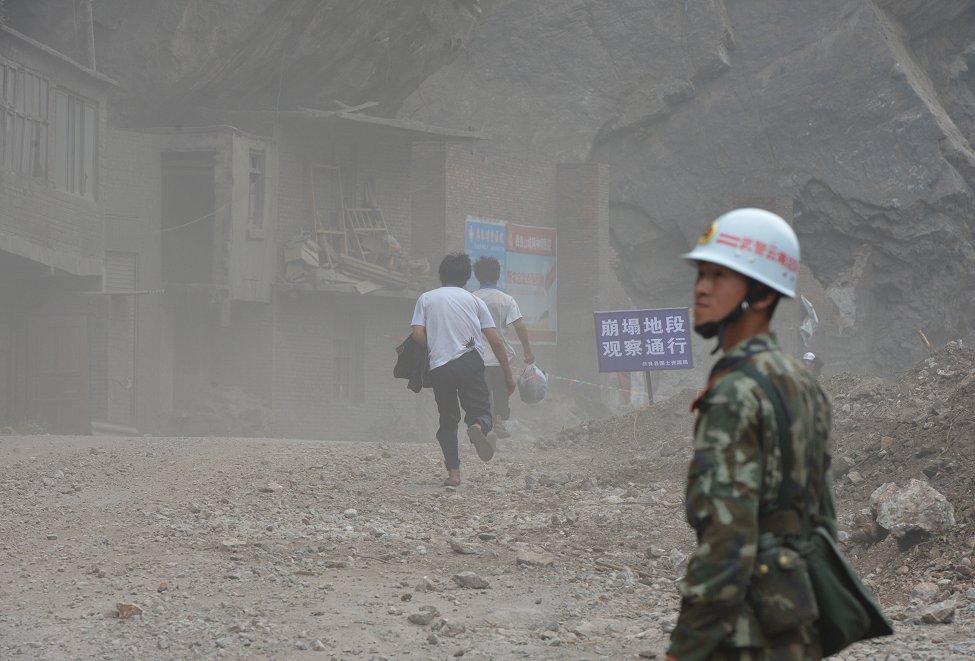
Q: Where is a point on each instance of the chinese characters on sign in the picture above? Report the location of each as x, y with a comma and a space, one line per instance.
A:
487, 238
643, 340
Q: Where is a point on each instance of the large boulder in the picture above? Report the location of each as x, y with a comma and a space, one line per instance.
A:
911, 513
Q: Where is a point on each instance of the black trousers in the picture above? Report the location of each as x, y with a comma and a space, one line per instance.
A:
494, 376
460, 379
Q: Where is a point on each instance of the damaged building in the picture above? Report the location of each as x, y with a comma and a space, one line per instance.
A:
65, 342
252, 275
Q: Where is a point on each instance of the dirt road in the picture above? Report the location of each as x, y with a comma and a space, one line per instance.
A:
283, 549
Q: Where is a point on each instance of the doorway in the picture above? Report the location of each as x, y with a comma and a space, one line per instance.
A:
188, 217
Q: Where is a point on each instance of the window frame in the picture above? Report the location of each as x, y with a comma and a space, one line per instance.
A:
25, 97
76, 128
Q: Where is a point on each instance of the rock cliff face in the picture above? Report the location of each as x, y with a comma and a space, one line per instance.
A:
171, 57
855, 117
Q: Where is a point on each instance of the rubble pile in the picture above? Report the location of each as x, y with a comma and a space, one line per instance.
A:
919, 426
891, 436
381, 263
639, 446
910, 439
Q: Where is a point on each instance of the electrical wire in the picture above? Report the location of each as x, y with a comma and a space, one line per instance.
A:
222, 207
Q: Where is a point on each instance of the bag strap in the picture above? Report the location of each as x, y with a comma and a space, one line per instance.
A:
785, 440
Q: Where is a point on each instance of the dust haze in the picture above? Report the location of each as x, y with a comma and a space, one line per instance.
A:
216, 217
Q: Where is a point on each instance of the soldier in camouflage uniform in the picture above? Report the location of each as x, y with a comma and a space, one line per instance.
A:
746, 260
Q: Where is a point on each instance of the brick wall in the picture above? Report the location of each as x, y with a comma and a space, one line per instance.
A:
516, 191
587, 281
429, 201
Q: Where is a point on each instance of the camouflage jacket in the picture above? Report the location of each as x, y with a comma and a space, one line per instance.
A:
733, 481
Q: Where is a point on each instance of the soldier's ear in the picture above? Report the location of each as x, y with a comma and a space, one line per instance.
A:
764, 299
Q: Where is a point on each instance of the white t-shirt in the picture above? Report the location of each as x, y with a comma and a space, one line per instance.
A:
454, 319
505, 311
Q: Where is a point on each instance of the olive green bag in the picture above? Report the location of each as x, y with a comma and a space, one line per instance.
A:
847, 611
780, 591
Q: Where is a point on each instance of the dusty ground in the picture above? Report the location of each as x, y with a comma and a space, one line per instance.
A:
259, 548
283, 549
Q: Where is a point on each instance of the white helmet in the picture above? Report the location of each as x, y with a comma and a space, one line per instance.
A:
754, 242
809, 355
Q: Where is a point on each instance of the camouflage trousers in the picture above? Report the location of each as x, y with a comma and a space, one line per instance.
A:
793, 652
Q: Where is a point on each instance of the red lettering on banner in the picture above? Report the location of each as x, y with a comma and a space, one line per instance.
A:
523, 278
532, 240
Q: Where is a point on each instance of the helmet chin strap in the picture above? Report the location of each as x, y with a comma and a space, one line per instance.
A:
717, 328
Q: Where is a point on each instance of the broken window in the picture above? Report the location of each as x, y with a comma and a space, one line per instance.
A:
23, 121
255, 214
75, 120
328, 207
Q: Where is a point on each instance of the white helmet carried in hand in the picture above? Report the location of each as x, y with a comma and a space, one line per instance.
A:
532, 385
809, 355
756, 243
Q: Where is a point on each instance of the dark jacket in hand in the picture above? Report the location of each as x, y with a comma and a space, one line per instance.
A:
412, 363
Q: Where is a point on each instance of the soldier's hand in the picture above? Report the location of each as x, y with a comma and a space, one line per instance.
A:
510, 382
529, 358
